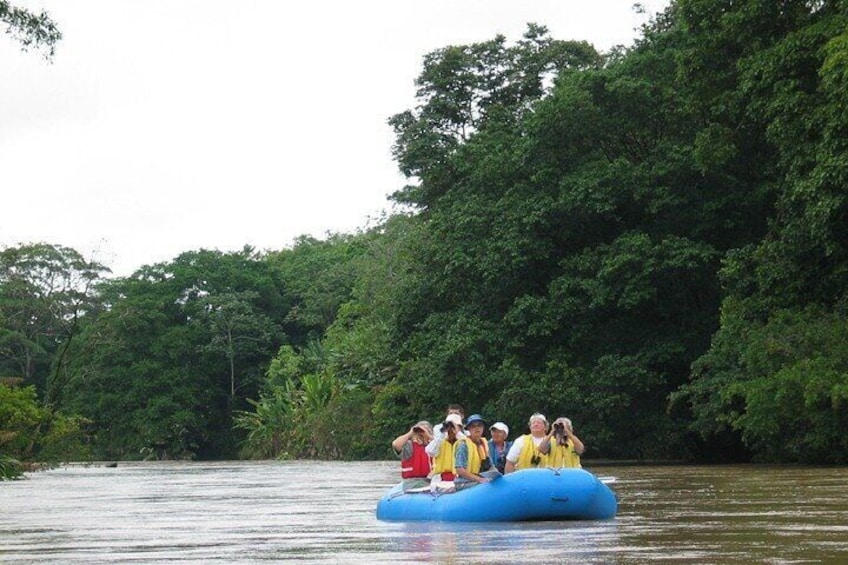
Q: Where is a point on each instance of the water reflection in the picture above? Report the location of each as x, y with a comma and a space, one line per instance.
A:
503, 542
243, 512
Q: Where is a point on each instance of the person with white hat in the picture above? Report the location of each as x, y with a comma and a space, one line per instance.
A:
525, 453
498, 445
452, 409
443, 445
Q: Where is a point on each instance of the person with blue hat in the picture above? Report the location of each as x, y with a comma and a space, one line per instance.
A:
472, 462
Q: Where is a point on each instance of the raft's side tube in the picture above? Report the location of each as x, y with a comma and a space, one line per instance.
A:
531, 494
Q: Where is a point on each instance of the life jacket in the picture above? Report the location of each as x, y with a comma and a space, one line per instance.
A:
475, 458
417, 465
563, 455
528, 450
443, 463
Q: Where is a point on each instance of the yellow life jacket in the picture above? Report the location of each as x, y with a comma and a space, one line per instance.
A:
475, 458
563, 455
528, 451
444, 461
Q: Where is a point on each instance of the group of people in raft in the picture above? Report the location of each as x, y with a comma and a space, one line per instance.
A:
453, 456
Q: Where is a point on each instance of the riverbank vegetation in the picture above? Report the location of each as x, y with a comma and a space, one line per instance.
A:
652, 241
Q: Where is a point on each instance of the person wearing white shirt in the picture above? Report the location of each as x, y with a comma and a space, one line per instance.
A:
442, 450
452, 409
525, 453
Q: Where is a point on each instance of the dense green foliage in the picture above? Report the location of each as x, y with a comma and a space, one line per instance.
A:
650, 241
45, 293
45, 290
175, 350
31, 432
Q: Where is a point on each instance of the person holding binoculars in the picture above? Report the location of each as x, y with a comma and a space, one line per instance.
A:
561, 446
452, 409
411, 449
451, 430
443, 446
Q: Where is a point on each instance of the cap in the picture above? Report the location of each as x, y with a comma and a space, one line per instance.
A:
455, 418
474, 418
500, 426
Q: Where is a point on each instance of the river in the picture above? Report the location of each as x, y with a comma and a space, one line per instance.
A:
310, 512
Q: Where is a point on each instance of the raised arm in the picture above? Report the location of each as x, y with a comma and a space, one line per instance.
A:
579, 448
400, 441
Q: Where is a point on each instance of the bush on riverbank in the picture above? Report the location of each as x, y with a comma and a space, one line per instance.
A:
30, 432
9, 468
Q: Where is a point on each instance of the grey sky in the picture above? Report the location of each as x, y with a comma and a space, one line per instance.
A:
170, 125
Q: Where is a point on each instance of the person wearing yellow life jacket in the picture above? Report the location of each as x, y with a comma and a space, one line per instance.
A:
525, 452
415, 463
562, 447
472, 462
452, 409
442, 449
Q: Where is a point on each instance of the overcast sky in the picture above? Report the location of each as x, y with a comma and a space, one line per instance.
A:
174, 125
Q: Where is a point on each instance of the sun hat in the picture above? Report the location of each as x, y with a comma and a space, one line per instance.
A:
500, 426
538, 416
474, 418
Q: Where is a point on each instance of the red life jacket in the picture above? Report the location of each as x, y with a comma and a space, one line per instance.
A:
418, 464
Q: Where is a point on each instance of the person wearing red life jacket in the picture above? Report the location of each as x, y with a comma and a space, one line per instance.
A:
415, 462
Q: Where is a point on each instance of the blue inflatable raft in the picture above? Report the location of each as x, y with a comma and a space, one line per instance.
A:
530, 494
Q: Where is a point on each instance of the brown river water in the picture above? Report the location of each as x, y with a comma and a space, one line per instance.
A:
310, 512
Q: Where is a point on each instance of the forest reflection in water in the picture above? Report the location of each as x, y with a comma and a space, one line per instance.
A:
303, 511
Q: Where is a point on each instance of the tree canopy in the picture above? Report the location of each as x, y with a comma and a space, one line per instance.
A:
651, 241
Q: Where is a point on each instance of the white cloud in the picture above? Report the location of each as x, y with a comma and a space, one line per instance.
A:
167, 126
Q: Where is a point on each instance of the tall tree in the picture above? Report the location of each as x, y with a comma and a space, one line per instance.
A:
319, 276
548, 245
776, 373
238, 330
463, 88
149, 369
45, 290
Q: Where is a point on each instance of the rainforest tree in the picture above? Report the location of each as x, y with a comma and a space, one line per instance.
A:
45, 291
177, 348
651, 241
776, 373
